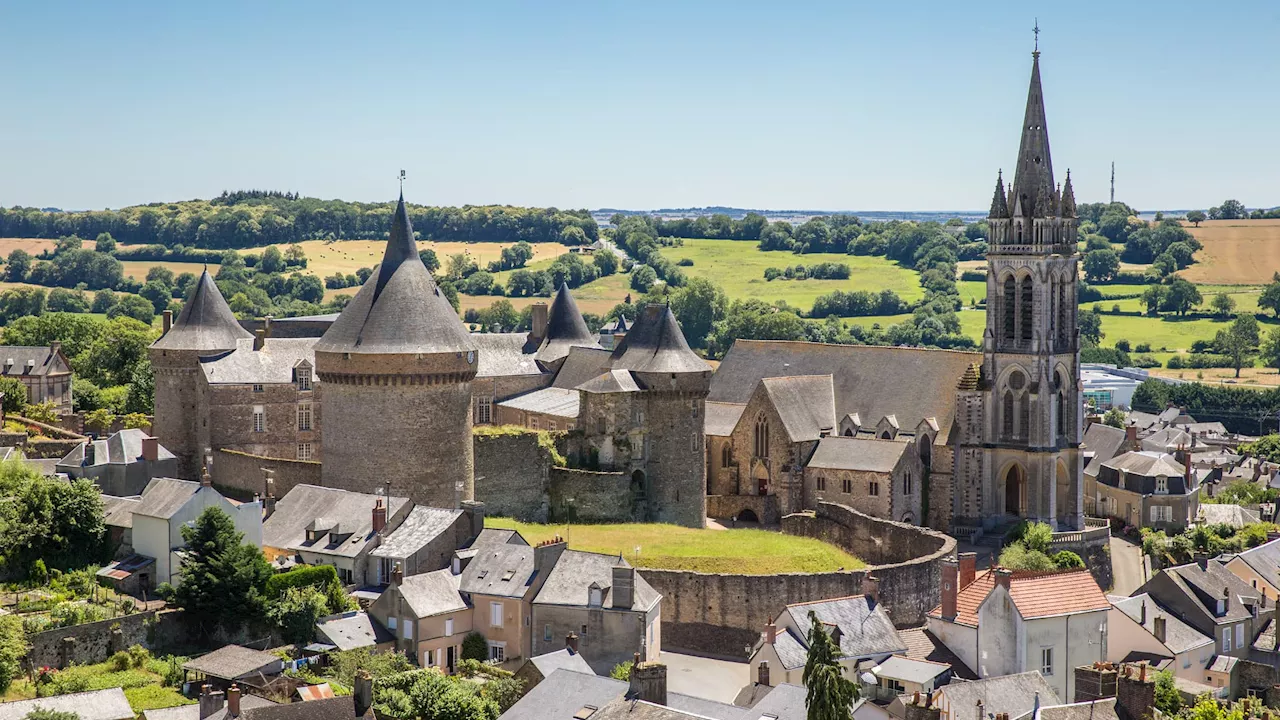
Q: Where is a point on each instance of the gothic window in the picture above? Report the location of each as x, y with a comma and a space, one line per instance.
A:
1063, 311
726, 455
1024, 418
1062, 413
907, 484
873, 487
846, 486
1007, 416
1024, 310
1010, 293
1053, 306
762, 437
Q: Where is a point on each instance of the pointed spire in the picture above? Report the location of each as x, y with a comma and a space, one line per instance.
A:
206, 322
1068, 198
400, 248
566, 328
999, 205
1034, 172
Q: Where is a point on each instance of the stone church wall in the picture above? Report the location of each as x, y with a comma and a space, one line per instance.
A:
512, 475
240, 473
722, 614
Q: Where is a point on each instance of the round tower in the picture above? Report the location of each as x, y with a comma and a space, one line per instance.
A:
397, 365
206, 327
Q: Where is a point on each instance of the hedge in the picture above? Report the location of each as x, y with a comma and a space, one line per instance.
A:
307, 575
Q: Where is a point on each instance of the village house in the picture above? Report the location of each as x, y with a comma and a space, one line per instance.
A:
567, 693
108, 704
45, 372
426, 540
1145, 488
1142, 630
881, 478
121, 464
168, 505
1213, 600
427, 615
1259, 566
1011, 696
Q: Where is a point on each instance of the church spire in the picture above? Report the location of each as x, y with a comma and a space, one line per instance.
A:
1068, 198
999, 205
1033, 175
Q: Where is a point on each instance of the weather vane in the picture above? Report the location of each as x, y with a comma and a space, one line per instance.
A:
1036, 30
402, 181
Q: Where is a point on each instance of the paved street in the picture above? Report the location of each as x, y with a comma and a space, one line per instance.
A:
1126, 566
701, 677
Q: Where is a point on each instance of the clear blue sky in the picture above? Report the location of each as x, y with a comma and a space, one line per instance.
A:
832, 105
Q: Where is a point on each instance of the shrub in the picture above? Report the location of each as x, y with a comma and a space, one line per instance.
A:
39, 574
1143, 348
136, 421
164, 591
119, 662
99, 420
1145, 361
1115, 309
973, 276
1123, 345
1066, 560
474, 647
315, 575
138, 656
45, 412
685, 262
622, 671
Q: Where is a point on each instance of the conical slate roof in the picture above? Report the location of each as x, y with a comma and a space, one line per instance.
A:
565, 328
205, 323
655, 344
1033, 175
399, 310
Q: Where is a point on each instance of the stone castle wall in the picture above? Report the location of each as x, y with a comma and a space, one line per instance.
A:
512, 474
93, 641
598, 497
230, 412
240, 473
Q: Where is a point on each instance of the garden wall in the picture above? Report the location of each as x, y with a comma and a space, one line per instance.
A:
723, 614
93, 643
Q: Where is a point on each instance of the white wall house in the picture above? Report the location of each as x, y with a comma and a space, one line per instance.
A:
1138, 625
167, 505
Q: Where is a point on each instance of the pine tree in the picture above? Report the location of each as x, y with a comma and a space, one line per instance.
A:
831, 694
223, 578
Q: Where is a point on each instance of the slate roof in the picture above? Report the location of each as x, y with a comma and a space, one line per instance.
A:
399, 310
232, 661
548, 401
1104, 441
1146, 463
1223, 663
1233, 515
205, 323
1169, 438
564, 692
109, 704
613, 381
165, 496
548, 663
120, 448
342, 510
565, 329
722, 418
784, 702
1179, 637
1012, 694
118, 511
422, 525
1205, 586
502, 570
836, 452
1141, 419
432, 593
580, 365
1263, 559
864, 625
39, 358
656, 344
900, 667
192, 712
351, 630
1034, 593
805, 403
576, 570
502, 355
338, 708
924, 645
273, 364
872, 381
1104, 709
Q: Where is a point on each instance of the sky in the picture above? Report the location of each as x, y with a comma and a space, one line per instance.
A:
839, 105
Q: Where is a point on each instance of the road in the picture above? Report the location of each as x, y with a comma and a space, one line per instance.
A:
1126, 566
705, 678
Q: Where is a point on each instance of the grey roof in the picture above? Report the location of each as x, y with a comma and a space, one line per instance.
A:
1205, 585
432, 593
1141, 419
504, 570
865, 627
722, 418
565, 658
109, 704
1233, 515
1104, 442
118, 511
274, 363
784, 702
336, 708
564, 692
39, 358
1145, 463
502, 355
790, 649
580, 365
900, 667
351, 630
1179, 637
192, 712
872, 381
421, 526
1167, 439
565, 329
836, 452
613, 381
548, 401
805, 403
399, 310
1170, 414
1104, 709
233, 661
576, 570
343, 511
120, 448
656, 344
490, 536
1223, 663
1012, 694
205, 323
165, 496
1263, 559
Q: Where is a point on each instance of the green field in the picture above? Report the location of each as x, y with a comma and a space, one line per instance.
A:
670, 547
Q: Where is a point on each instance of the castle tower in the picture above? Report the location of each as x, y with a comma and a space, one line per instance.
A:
206, 327
397, 366
566, 328
1023, 459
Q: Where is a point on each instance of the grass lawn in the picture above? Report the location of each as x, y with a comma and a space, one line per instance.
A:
143, 686
738, 267
750, 552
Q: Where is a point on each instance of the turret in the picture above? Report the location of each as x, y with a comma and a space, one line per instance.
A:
566, 328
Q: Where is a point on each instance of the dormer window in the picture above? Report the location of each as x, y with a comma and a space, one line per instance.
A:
595, 596
303, 377
1162, 485
1222, 606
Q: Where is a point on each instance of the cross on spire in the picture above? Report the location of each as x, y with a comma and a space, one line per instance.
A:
402, 183
1036, 30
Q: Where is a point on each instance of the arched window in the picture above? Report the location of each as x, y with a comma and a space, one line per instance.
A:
1024, 418
1064, 323
873, 487
1060, 388
1006, 417
1024, 309
726, 455
1010, 295
907, 485
762, 437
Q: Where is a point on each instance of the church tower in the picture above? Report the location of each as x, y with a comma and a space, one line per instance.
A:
1019, 454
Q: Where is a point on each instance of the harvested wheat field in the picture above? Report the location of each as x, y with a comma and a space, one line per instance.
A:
347, 256
1236, 252
35, 246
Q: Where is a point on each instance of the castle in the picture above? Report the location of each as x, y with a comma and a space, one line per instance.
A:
403, 381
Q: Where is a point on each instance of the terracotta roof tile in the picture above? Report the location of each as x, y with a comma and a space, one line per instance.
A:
1036, 594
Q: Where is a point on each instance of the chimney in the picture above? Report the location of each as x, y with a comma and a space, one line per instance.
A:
474, 510
259, 338
1226, 601
538, 329
1003, 577
268, 493
397, 575
363, 693
379, 516
968, 569
836, 635
545, 556
762, 673
55, 347
233, 701
1131, 436
90, 453
871, 588
150, 449
771, 632
950, 588
211, 701
266, 325
624, 583
1095, 682
1135, 696
205, 480
921, 707
1186, 463
168, 320
571, 643
1142, 618
649, 682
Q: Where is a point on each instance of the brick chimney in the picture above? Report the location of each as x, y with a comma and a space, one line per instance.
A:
168, 320
475, 511
968, 568
259, 339
771, 632
211, 701
1159, 626
624, 583
762, 673
205, 479
379, 516
648, 682
1226, 600
397, 575
268, 493
871, 588
55, 347
950, 587
1131, 436
1004, 577
538, 328
1095, 682
571, 643
921, 707
233, 701
545, 556
150, 448
362, 694
1135, 693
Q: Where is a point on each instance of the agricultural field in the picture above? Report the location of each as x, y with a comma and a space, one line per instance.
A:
35, 246
1242, 252
347, 256
669, 547
137, 269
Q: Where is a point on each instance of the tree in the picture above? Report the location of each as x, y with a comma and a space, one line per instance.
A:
158, 294
142, 389
643, 278
1222, 305
1270, 297
1232, 210
103, 301
475, 647
133, 306
297, 612
1114, 418
20, 302
1101, 265
295, 256
17, 266
1270, 352
1168, 699
68, 301
1195, 217
606, 262
223, 578
272, 260
1182, 296
13, 648
429, 259
697, 306
1238, 341
830, 694
105, 243
1153, 298
15, 394
1090, 324
460, 266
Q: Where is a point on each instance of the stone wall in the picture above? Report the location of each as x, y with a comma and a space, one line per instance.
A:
722, 614
50, 448
1094, 550
241, 475
93, 641
729, 507
598, 497
512, 475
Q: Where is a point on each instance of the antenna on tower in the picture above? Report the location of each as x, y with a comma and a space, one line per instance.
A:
1113, 182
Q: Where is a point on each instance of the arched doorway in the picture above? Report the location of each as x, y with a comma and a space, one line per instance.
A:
761, 476
906, 518
747, 515
1015, 500
640, 496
